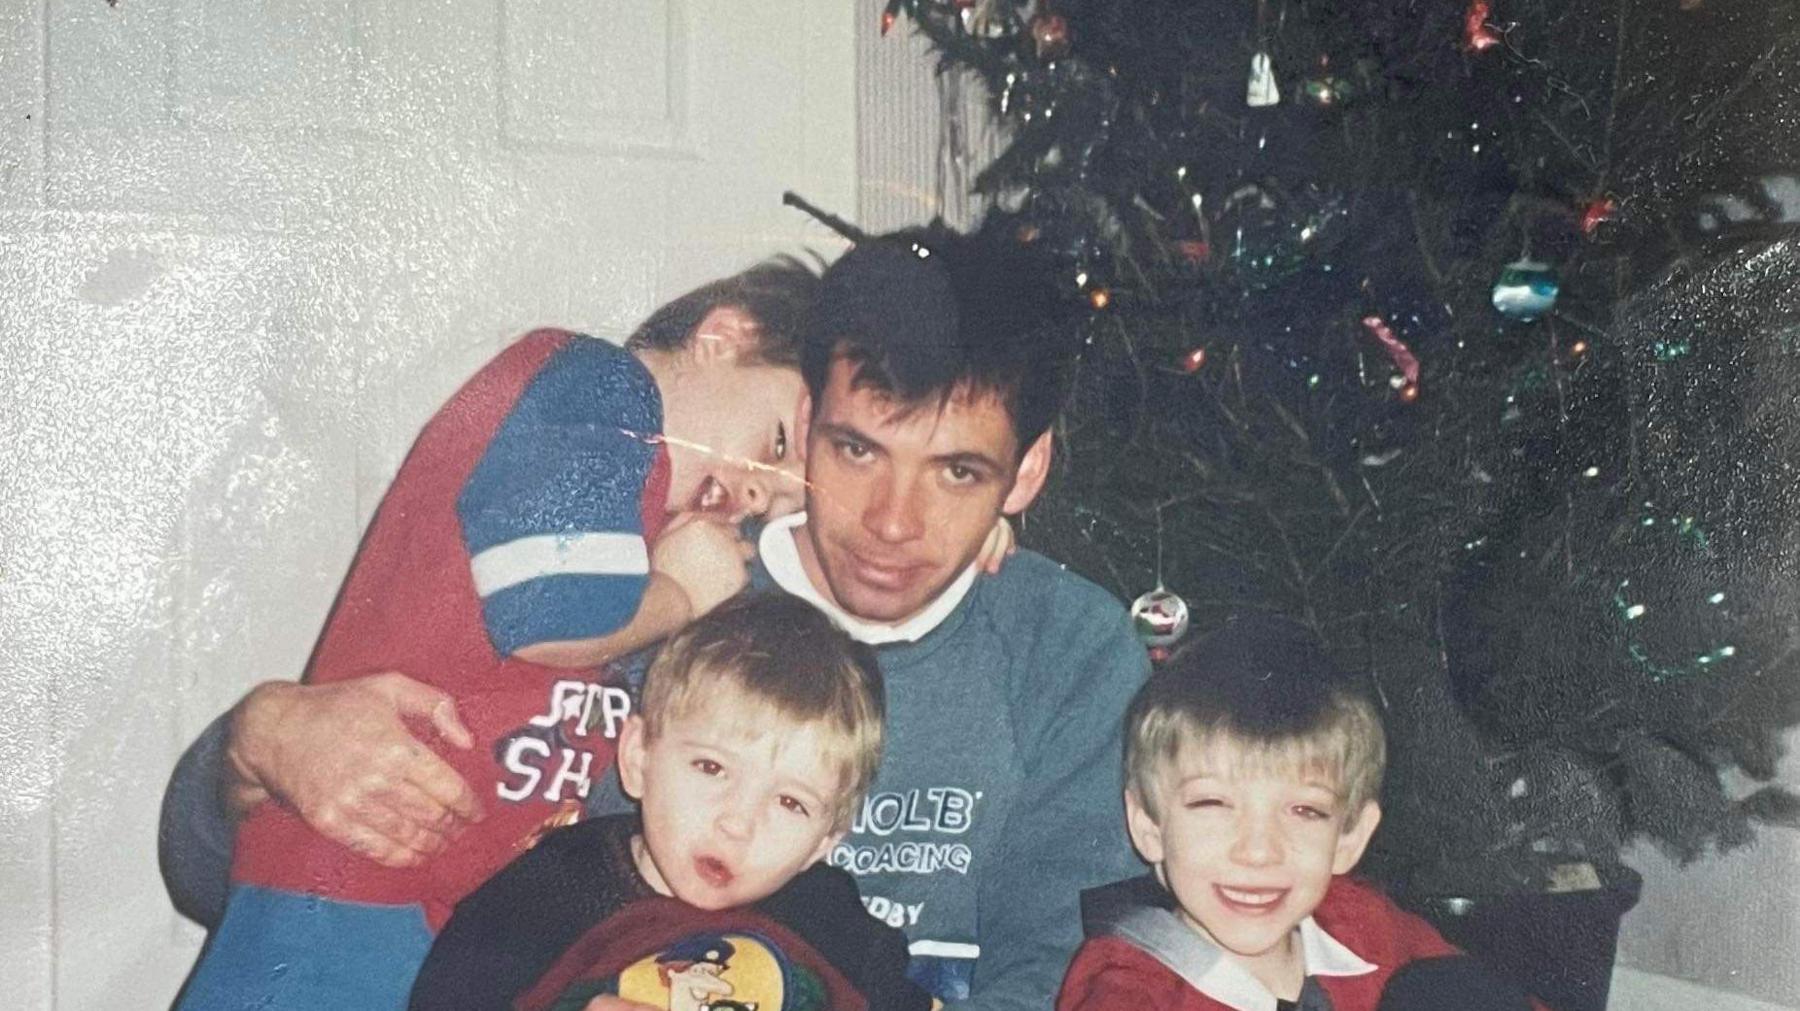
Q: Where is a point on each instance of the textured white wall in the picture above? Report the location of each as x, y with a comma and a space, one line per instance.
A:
921, 137
1732, 922
245, 249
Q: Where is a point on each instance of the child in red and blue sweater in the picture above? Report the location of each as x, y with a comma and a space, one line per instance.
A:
572, 502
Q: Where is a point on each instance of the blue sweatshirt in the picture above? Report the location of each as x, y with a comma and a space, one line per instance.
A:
998, 800
999, 796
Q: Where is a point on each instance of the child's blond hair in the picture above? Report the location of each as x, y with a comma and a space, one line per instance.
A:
1266, 689
788, 661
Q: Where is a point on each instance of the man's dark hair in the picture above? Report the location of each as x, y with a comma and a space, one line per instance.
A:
778, 292
925, 314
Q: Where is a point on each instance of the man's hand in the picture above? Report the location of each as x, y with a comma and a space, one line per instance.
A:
342, 755
705, 558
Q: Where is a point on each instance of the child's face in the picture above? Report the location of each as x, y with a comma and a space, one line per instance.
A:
1248, 849
733, 428
734, 804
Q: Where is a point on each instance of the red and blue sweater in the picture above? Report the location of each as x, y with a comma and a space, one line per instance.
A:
522, 514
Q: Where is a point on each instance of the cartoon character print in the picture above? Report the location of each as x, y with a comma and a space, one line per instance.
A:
711, 972
693, 972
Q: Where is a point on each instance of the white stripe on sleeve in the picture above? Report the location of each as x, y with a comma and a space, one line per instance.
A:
585, 554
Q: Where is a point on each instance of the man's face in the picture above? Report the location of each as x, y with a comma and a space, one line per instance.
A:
1247, 850
901, 497
735, 804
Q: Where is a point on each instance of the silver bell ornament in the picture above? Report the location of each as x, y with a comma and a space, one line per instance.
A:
1160, 618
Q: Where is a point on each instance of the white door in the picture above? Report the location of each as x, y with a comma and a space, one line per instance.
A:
246, 247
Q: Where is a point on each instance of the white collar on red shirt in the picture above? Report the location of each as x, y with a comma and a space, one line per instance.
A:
781, 557
1164, 936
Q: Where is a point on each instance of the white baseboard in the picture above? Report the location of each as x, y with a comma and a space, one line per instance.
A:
1636, 990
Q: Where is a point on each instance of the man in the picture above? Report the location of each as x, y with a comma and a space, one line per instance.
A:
933, 383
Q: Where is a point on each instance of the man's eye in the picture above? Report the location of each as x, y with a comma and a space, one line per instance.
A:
780, 442
708, 767
1311, 813
853, 449
1200, 802
960, 474
795, 805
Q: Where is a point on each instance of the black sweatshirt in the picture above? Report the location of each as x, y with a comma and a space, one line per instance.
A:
509, 932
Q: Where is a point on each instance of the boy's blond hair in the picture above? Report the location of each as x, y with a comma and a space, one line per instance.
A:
1265, 690
788, 661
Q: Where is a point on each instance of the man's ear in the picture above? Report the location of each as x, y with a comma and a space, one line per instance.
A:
631, 757
803, 423
1355, 838
723, 333
1146, 834
1034, 467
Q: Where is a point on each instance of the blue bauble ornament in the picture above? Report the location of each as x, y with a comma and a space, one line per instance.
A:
1526, 290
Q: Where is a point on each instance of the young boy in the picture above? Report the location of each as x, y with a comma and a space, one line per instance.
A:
1253, 770
760, 728
572, 502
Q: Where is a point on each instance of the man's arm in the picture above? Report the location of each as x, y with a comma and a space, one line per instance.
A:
345, 755
1066, 830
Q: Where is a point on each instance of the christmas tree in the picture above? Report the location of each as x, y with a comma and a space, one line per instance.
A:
1466, 332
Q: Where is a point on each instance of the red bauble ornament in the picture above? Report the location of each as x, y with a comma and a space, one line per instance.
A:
1051, 33
1597, 213
1478, 35
887, 21
1193, 360
1194, 251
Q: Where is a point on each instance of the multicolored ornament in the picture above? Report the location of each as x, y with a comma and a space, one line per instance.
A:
1051, 33
1326, 91
1526, 290
1159, 617
1262, 91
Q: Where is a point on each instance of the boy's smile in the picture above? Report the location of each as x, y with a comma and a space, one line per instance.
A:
1249, 850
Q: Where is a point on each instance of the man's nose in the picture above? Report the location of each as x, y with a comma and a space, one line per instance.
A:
893, 512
